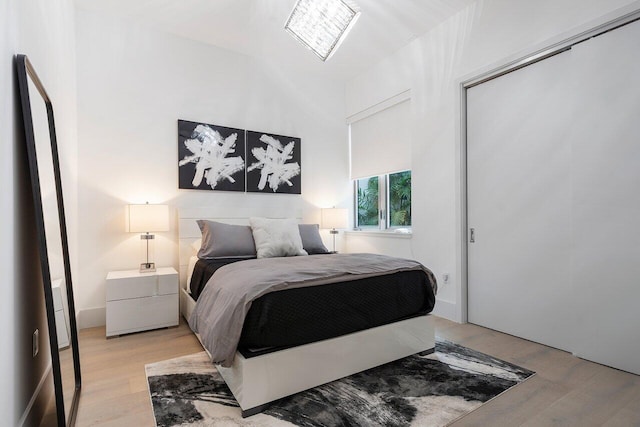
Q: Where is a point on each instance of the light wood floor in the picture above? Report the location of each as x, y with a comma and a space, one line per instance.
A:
566, 391
114, 385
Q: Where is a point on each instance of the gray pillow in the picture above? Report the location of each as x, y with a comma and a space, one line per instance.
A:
221, 240
311, 240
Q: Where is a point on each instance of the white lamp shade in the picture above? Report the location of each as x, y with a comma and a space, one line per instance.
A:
145, 218
334, 218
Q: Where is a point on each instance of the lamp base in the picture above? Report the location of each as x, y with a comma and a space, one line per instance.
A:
333, 231
147, 267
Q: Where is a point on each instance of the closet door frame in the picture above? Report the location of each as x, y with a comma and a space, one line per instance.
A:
551, 48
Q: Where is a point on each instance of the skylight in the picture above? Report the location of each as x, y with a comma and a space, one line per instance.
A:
321, 25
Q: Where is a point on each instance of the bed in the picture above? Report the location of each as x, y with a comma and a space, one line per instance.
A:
281, 358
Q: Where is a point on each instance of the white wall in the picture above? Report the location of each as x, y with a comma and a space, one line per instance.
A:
486, 34
43, 30
392, 244
134, 83
8, 237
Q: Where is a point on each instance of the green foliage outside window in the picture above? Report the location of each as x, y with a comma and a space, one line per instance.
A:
397, 186
400, 199
368, 202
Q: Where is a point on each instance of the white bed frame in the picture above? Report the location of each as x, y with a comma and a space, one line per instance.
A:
259, 380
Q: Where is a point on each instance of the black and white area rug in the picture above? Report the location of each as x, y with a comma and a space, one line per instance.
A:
420, 390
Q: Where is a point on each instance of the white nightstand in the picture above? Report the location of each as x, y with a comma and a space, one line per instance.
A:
60, 315
141, 301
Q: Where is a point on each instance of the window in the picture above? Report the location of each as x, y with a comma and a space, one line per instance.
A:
399, 191
384, 201
380, 142
367, 198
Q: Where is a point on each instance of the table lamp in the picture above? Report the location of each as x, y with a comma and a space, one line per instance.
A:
144, 219
334, 218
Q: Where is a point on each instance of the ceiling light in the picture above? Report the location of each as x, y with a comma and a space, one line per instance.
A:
321, 25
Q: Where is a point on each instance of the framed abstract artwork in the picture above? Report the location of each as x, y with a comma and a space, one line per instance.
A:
273, 163
210, 157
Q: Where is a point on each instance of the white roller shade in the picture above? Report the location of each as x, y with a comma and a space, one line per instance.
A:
381, 142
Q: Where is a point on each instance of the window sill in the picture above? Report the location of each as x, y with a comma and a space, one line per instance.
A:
379, 233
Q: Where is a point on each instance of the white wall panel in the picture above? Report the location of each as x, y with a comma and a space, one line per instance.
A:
9, 260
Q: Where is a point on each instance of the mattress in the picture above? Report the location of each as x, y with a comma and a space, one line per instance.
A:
300, 316
203, 270
190, 267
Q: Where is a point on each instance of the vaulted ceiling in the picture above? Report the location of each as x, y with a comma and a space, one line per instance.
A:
256, 28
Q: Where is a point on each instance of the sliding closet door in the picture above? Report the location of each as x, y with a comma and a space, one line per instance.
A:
606, 199
553, 153
519, 202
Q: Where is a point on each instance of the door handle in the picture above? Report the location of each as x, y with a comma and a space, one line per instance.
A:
472, 235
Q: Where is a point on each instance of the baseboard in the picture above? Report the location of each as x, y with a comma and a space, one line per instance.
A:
446, 309
43, 395
92, 317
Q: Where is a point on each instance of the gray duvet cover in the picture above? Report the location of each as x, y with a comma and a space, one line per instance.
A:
223, 304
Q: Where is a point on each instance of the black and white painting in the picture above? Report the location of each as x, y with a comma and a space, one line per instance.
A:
273, 163
210, 157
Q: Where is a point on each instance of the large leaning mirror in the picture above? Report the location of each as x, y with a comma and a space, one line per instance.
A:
44, 165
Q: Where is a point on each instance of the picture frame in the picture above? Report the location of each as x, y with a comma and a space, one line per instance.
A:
210, 157
273, 163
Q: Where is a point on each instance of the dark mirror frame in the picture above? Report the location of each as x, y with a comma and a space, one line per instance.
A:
25, 72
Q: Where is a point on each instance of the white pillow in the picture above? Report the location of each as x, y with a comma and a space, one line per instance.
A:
196, 245
276, 237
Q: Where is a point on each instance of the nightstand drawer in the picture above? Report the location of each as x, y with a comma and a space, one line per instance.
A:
139, 314
138, 287
168, 284
57, 295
